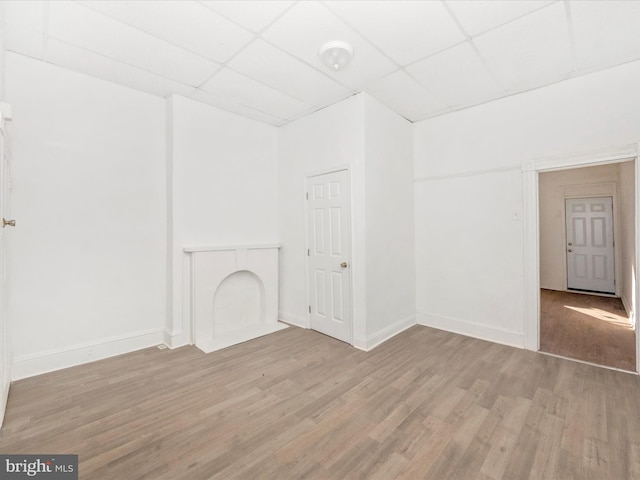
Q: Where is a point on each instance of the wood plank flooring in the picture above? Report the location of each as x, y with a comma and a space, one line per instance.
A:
587, 327
297, 404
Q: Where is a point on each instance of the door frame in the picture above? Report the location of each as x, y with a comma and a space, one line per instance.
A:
307, 243
5, 331
568, 195
530, 172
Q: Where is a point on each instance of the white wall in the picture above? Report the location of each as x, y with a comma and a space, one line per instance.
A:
469, 239
223, 190
589, 181
390, 259
88, 252
376, 145
626, 194
330, 138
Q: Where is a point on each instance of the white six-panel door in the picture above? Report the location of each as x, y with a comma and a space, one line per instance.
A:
328, 231
590, 261
5, 373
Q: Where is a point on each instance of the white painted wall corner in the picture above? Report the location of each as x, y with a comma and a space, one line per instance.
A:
174, 339
294, 320
381, 336
628, 306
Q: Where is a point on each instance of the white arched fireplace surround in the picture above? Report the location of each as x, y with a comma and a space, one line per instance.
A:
234, 294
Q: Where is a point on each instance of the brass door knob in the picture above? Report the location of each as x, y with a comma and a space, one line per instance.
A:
343, 265
11, 223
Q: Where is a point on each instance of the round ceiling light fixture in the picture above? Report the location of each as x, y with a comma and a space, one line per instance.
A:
336, 55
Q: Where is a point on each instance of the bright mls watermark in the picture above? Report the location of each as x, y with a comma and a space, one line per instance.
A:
50, 467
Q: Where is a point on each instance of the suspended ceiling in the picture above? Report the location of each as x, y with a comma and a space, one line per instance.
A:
259, 58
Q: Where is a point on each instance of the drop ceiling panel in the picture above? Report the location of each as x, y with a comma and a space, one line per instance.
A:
255, 15
287, 74
24, 27
77, 25
427, 27
414, 56
26, 42
189, 25
479, 16
606, 33
248, 92
223, 102
458, 75
304, 28
77, 59
405, 96
24, 15
529, 52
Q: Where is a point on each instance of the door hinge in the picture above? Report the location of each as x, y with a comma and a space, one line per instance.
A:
308, 254
309, 308
307, 195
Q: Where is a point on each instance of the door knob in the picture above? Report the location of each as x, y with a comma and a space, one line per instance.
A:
569, 250
11, 223
343, 265
570, 243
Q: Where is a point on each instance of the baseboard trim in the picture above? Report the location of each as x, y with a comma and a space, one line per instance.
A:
629, 310
24, 366
3, 400
475, 330
381, 336
239, 336
294, 320
174, 339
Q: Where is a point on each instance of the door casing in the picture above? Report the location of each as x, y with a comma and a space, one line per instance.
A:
530, 170
5, 341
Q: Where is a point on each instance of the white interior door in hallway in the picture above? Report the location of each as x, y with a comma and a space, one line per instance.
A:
590, 261
5, 344
328, 233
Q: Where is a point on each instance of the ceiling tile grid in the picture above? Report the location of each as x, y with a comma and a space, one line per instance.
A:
259, 58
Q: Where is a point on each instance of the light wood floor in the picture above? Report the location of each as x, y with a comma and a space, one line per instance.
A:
297, 404
587, 327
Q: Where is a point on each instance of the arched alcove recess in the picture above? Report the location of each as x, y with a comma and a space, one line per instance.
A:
238, 302
234, 294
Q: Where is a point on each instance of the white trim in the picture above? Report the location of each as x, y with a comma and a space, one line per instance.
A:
294, 320
471, 173
592, 158
217, 248
175, 339
637, 244
381, 336
24, 366
630, 313
239, 335
3, 401
317, 173
584, 362
531, 226
471, 329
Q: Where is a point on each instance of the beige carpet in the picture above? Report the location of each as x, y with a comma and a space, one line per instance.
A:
587, 327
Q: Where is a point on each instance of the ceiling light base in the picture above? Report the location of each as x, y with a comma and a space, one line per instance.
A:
336, 55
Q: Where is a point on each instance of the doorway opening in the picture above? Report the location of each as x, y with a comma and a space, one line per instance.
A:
587, 258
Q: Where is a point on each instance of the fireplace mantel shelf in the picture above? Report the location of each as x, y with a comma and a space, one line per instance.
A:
216, 248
